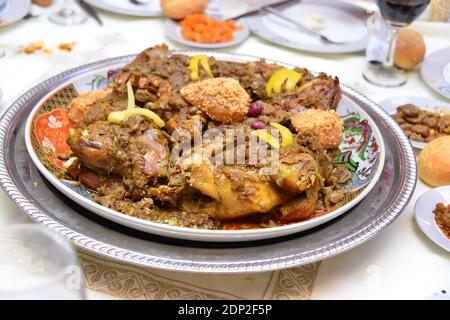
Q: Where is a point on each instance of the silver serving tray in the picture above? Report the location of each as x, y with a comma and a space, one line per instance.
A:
32, 194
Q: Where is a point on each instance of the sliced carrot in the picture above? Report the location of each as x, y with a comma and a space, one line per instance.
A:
201, 28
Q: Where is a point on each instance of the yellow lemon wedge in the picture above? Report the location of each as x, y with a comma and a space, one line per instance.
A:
264, 135
287, 139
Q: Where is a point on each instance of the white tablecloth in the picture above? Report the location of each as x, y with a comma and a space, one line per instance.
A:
400, 263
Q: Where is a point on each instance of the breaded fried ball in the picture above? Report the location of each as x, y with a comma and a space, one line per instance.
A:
326, 124
222, 99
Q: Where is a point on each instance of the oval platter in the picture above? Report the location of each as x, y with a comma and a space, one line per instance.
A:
47, 129
35, 196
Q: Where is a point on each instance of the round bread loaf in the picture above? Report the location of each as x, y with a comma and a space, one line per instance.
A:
179, 9
434, 162
410, 49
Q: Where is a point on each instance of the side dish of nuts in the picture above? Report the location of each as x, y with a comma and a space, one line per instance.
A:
422, 125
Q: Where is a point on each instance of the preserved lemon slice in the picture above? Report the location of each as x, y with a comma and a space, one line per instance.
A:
287, 139
193, 66
121, 116
131, 101
270, 139
281, 76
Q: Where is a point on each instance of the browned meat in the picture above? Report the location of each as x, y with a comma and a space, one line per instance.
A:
322, 92
157, 77
297, 172
190, 124
92, 179
84, 102
100, 110
128, 162
252, 195
303, 206
111, 148
252, 76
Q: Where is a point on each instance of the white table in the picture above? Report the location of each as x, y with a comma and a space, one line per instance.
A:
400, 263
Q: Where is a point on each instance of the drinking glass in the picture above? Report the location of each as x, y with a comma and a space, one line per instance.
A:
3, 5
37, 263
70, 14
397, 14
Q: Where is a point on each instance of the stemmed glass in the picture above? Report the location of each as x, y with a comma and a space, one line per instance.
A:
397, 14
36, 263
70, 14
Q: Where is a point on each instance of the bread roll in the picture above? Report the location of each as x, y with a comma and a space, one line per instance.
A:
409, 49
179, 9
434, 162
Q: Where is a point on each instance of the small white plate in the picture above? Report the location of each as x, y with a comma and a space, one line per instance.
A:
342, 20
127, 7
435, 71
173, 30
13, 10
390, 106
423, 210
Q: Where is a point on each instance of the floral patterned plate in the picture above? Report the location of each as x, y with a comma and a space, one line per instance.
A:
47, 128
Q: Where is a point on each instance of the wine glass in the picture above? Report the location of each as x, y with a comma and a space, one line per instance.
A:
397, 14
70, 14
37, 263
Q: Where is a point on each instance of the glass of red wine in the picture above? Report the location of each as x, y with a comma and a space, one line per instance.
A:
397, 14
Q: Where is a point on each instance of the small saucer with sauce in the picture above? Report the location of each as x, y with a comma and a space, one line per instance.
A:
425, 216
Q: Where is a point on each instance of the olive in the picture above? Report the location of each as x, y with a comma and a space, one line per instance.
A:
258, 125
255, 109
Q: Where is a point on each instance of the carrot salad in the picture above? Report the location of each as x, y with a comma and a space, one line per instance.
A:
201, 28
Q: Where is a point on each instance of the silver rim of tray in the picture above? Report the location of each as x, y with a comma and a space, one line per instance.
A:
114, 252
